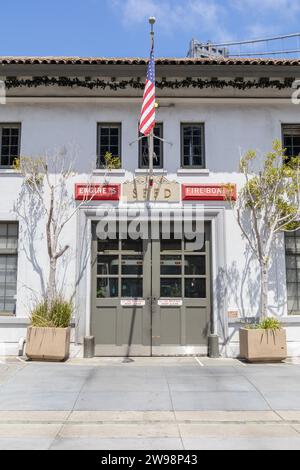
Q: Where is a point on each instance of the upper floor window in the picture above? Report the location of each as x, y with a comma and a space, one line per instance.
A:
109, 141
292, 252
192, 146
8, 267
158, 149
291, 140
9, 144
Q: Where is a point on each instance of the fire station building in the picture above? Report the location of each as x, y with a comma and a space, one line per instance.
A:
154, 296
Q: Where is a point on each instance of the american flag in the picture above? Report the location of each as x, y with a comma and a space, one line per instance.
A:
147, 120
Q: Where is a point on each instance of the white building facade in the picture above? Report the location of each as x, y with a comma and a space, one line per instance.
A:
145, 297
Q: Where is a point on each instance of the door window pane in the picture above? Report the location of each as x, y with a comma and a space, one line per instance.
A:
195, 245
107, 288
132, 245
195, 266
108, 265
171, 288
171, 265
171, 245
108, 245
132, 265
132, 288
195, 288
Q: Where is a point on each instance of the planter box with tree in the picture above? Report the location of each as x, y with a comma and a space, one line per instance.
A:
268, 205
46, 192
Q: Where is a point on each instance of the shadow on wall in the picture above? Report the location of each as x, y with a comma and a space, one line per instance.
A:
239, 285
30, 215
33, 243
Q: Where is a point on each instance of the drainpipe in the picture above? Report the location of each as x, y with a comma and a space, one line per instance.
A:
21, 347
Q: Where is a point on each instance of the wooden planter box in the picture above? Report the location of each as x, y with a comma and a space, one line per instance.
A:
48, 344
263, 345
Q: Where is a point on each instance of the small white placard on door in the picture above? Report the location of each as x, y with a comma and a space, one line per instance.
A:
133, 303
170, 303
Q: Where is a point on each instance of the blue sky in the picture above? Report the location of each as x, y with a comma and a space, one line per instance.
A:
119, 27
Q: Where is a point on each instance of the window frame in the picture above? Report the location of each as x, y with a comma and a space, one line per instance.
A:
161, 166
295, 254
284, 128
107, 124
202, 127
11, 252
10, 125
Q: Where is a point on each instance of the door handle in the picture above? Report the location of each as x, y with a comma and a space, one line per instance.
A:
154, 305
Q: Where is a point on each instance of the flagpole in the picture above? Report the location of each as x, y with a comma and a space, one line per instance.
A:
152, 21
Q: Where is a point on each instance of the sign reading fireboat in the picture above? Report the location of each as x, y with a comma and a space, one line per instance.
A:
209, 192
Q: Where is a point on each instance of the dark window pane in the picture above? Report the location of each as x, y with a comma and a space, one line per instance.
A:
187, 131
171, 245
107, 288
132, 245
114, 131
108, 245
114, 141
195, 288
9, 145
14, 151
108, 265
109, 142
114, 151
5, 150
171, 288
171, 265
132, 265
192, 145
8, 267
132, 288
158, 149
195, 265
104, 141
292, 249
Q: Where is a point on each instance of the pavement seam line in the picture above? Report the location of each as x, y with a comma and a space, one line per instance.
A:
293, 426
174, 413
58, 435
199, 362
262, 395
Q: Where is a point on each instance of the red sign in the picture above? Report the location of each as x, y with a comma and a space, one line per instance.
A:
97, 192
208, 192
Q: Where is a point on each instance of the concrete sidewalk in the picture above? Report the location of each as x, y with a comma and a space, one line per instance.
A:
152, 403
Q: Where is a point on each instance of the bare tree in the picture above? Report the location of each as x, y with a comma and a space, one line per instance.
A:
48, 181
268, 204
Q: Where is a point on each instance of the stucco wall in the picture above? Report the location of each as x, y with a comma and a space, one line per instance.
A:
230, 129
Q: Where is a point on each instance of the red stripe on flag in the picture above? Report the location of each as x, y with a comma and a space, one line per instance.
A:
147, 118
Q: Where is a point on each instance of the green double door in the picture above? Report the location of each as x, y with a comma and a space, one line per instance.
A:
150, 297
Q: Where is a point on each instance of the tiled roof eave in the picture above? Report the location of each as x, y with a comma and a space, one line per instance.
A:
142, 61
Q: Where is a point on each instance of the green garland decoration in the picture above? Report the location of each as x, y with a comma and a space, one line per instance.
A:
115, 85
